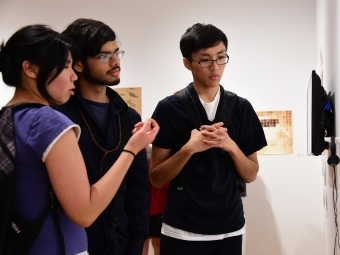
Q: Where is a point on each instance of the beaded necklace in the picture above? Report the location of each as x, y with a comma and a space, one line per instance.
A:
95, 141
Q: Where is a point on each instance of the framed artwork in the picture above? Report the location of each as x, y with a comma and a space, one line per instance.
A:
278, 129
132, 96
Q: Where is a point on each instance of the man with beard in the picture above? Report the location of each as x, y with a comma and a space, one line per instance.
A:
107, 122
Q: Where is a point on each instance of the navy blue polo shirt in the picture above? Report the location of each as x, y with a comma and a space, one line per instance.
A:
133, 212
210, 201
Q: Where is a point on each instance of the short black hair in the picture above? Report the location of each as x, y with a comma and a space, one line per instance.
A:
90, 35
201, 36
40, 45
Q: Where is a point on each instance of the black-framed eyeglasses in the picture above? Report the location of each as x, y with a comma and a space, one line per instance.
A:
209, 63
105, 58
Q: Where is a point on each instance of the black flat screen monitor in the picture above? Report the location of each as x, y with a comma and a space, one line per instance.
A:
316, 100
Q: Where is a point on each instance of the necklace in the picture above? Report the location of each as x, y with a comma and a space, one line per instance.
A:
95, 141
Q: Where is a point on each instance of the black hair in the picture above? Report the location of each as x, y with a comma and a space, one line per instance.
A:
201, 36
90, 35
41, 46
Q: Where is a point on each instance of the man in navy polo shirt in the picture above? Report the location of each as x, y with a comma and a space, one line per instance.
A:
106, 122
204, 211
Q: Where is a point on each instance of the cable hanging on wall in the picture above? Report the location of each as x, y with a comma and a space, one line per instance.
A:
335, 202
333, 160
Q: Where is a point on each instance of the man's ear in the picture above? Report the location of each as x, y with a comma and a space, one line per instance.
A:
78, 66
30, 69
187, 63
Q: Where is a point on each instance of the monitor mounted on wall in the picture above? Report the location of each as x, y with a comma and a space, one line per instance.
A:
320, 117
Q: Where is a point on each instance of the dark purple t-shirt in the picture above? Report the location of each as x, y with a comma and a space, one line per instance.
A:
36, 131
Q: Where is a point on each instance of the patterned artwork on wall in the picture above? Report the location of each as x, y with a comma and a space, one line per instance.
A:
132, 96
278, 128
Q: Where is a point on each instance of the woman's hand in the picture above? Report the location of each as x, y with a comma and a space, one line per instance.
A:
142, 135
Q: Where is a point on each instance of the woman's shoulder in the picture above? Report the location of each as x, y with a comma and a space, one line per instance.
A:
46, 115
42, 119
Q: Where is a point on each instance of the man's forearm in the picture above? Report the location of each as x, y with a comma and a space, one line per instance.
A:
166, 171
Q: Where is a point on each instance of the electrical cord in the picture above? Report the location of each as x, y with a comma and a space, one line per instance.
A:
335, 202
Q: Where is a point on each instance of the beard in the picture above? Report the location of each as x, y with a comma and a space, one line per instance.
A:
96, 79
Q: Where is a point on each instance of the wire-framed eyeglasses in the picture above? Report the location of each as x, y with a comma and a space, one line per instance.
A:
208, 63
105, 58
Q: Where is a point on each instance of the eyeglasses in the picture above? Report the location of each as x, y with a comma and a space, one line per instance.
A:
105, 58
209, 63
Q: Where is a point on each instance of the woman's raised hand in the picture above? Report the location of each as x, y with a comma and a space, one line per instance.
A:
142, 135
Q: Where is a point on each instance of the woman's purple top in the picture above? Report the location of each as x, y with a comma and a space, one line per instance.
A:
36, 131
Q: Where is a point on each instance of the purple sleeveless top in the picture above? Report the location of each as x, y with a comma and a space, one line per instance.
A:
36, 130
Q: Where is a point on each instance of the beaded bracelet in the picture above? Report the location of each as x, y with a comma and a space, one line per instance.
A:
134, 155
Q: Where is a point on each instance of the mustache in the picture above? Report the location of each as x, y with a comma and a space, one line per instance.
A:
113, 69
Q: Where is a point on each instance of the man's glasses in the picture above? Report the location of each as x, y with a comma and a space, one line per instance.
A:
105, 58
209, 63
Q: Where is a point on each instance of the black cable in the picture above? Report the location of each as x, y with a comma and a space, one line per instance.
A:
335, 202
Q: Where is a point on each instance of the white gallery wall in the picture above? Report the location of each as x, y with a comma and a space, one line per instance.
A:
328, 33
273, 47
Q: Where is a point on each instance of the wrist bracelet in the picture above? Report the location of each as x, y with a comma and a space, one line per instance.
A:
134, 155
